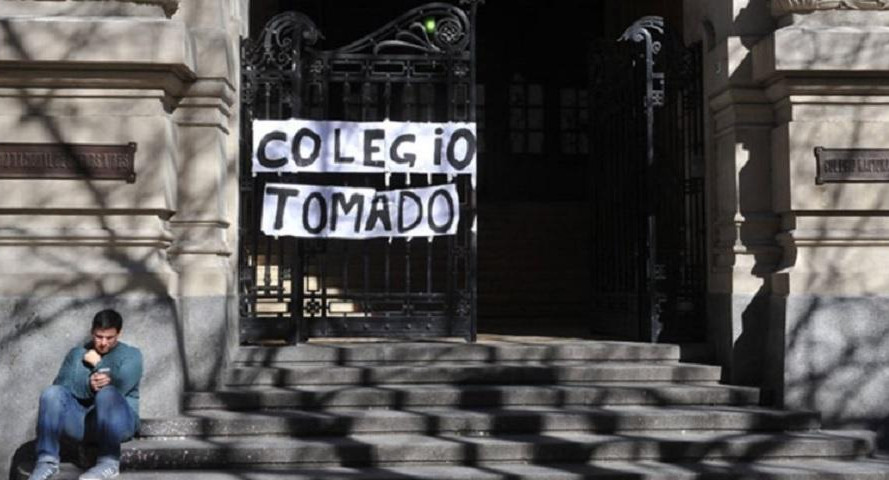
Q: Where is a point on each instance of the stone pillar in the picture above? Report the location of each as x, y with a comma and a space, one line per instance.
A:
741, 219
205, 222
162, 74
823, 71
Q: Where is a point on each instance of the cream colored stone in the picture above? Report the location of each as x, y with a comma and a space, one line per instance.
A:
833, 108
82, 228
60, 259
207, 194
213, 54
172, 82
725, 18
231, 195
846, 49
241, 14
119, 72
201, 221
802, 192
842, 269
82, 254
834, 19
142, 8
780, 171
196, 237
36, 102
727, 65
203, 275
206, 13
153, 156
743, 248
817, 230
83, 270
95, 40
210, 93
783, 7
835, 255
213, 116
727, 119
169, 6
742, 251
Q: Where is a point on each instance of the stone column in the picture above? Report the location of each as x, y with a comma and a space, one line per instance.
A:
823, 70
741, 219
205, 222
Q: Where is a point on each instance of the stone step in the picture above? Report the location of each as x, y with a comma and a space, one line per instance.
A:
457, 351
403, 396
553, 447
466, 372
431, 421
803, 469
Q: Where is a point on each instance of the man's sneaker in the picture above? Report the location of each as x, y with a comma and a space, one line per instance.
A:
102, 471
44, 470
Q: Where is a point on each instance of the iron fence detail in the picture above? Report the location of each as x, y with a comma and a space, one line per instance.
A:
647, 180
419, 67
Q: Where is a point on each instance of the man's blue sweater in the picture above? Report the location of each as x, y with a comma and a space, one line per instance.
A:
125, 363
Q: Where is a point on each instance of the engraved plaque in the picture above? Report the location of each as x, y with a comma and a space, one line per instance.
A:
68, 161
836, 165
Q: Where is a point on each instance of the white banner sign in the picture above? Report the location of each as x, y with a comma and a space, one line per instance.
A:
347, 212
292, 146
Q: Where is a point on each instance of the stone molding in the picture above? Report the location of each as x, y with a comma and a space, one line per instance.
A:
169, 6
784, 7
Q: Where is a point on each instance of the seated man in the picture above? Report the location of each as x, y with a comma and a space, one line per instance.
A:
95, 396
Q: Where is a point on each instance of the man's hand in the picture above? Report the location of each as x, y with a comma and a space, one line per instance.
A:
99, 381
92, 357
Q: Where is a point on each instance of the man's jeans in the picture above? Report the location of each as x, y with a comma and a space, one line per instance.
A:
108, 423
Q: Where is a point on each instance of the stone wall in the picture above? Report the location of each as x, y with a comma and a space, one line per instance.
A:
798, 295
822, 70
162, 249
741, 219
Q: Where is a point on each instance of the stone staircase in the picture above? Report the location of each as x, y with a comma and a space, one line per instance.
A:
498, 409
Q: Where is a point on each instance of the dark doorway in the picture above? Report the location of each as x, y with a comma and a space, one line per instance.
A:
553, 250
534, 198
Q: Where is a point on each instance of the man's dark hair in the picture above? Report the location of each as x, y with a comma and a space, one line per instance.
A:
107, 319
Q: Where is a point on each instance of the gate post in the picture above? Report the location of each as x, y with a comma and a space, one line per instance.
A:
473, 192
651, 299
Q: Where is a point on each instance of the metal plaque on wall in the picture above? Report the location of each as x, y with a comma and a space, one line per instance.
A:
68, 161
851, 165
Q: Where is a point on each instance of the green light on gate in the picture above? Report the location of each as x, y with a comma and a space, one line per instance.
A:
430, 25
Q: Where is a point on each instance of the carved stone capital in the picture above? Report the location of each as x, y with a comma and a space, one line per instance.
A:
784, 7
169, 6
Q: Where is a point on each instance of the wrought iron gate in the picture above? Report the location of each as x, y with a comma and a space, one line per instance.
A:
647, 182
419, 67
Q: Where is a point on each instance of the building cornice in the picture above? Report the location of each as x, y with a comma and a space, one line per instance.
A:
169, 6
785, 7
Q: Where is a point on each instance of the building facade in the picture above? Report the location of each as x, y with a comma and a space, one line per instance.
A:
797, 300
794, 287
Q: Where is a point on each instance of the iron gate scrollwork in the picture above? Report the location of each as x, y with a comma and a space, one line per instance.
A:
419, 67
649, 264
